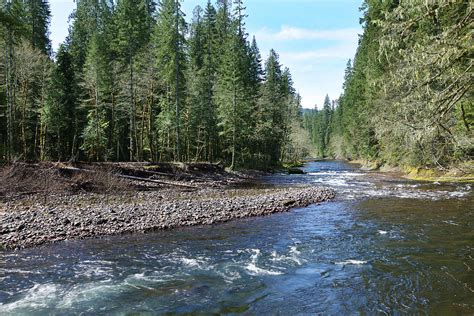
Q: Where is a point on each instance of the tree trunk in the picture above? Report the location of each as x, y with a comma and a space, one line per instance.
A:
178, 140
132, 111
234, 127
10, 94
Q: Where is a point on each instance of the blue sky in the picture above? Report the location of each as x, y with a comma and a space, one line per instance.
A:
314, 38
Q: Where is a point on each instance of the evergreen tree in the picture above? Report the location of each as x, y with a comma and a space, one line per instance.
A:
271, 110
129, 84
59, 127
171, 61
199, 118
407, 96
133, 33
256, 71
223, 23
427, 80
327, 114
25, 74
94, 134
231, 93
291, 114
39, 15
85, 23
209, 72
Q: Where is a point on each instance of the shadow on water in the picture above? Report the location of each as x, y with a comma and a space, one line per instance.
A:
384, 246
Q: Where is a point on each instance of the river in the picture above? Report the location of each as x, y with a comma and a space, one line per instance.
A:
385, 245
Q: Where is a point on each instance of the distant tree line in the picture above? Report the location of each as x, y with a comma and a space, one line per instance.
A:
134, 81
408, 95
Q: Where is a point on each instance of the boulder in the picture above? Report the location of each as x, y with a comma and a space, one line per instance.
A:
295, 171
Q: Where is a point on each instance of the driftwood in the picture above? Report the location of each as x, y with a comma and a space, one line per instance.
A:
158, 181
126, 170
164, 182
155, 173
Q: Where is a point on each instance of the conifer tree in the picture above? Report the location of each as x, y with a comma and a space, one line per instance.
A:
231, 95
171, 61
197, 117
326, 123
223, 22
255, 76
59, 129
85, 23
133, 33
11, 27
94, 134
271, 110
209, 73
25, 69
256, 71
39, 15
128, 85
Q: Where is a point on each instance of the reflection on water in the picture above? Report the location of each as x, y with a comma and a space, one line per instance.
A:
384, 246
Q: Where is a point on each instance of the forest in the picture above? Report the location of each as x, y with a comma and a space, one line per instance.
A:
408, 97
135, 81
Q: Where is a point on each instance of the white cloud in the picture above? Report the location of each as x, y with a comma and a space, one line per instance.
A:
317, 58
344, 51
289, 33
313, 86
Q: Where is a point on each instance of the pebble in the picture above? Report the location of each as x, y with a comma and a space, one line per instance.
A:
143, 214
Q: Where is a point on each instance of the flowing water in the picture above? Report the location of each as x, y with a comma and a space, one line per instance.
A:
383, 246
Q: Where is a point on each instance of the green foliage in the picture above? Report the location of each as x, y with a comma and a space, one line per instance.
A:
428, 81
231, 94
171, 64
39, 19
95, 137
271, 109
201, 79
322, 124
408, 95
59, 114
133, 81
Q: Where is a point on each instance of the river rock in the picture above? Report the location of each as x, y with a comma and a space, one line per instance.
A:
141, 213
295, 171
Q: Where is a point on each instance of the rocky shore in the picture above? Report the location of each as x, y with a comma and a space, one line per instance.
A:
33, 221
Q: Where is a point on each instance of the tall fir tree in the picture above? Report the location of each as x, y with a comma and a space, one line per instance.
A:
171, 63
95, 70
39, 16
59, 130
129, 84
271, 110
231, 93
134, 27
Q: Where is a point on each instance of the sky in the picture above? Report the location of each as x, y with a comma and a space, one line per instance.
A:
314, 38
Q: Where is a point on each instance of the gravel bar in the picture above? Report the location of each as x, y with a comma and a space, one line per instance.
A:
33, 223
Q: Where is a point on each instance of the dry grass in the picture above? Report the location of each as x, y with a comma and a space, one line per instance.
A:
100, 180
20, 179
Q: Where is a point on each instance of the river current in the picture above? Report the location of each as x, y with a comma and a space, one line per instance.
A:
385, 245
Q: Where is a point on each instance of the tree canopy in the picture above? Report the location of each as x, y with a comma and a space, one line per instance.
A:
139, 81
408, 97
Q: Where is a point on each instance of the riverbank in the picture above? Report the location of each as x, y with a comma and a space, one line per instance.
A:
36, 219
382, 241
462, 173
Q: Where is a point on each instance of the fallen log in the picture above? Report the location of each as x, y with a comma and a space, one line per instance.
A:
138, 172
136, 178
159, 181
